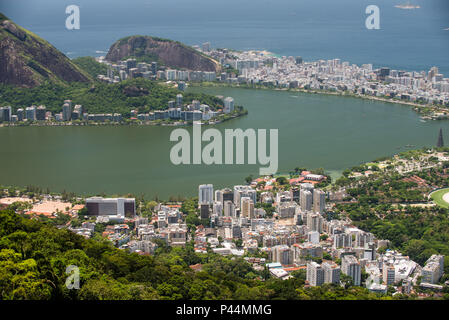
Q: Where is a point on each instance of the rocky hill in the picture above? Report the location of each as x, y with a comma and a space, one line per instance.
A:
26, 60
170, 53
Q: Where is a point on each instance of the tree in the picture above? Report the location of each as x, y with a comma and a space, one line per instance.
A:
193, 219
151, 205
282, 180
238, 243
326, 256
346, 280
83, 212
19, 279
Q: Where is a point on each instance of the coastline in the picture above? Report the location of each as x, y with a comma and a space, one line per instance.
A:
333, 174
117, 124
425, 114
416, 106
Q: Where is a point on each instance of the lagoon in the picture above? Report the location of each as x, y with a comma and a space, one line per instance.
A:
315, 130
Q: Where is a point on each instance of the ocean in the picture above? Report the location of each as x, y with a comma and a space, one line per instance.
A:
411, 40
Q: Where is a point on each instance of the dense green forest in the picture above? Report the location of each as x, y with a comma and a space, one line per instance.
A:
91, 66
140, 94
34, 256
383, 206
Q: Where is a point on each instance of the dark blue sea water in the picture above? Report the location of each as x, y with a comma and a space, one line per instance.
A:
319, 29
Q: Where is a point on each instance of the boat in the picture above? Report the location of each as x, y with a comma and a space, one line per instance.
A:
407, 6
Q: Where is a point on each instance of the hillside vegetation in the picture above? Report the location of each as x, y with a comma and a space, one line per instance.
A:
172, 54
27, 60
91, 66
141, 94
34, 257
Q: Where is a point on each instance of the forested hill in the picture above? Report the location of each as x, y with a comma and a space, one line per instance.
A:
170, 53
140, 94
34, 257
27, 60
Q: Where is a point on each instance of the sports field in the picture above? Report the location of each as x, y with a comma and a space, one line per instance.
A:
441, 197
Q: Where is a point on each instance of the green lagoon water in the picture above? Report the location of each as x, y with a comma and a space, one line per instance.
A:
314, 131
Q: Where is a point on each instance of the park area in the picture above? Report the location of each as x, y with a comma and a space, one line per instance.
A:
441, 197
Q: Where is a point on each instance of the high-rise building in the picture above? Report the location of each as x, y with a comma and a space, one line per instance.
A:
206, 47
342, 240
247, 208
30, 113
170, 74
205, 194
370, 252
298, 60
433, 270
228, 105
5, 114
78, 108
196, 104
75, 115
315, 222
98, 206
219, 196
205, 211
331, 272
313, 237
305, 200
154, 67
384, 72
363, 238
110, 72
236, 231
351, 267
229, 209
244, 191
218, 208
432, 72
66, 111
307, 186
181, 86
224, 195
388, 274
282, 254
179, 100
40, 113
319, 201
131, 64
430, 273
315, 274
209, 76
20, 114
123, 75
407, 285
295, 194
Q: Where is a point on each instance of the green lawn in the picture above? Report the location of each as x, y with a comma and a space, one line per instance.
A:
437, 197
372, 164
